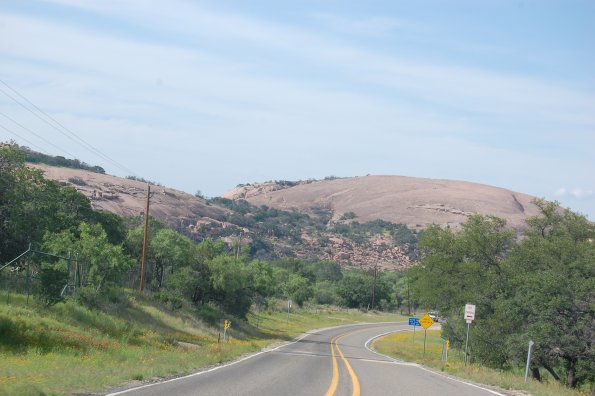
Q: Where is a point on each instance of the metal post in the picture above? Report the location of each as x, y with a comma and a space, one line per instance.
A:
467, 341
288, 308
531, 343
425, 335
27, 282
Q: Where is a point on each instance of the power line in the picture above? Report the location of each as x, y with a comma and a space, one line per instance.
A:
60, 128
38, 135
26, 140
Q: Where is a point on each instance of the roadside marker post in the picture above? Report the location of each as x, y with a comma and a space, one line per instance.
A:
226, 326
469, 317
531, 343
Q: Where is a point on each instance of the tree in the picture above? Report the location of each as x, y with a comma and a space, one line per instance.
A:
298, 289
102, 263
461, 268
355, 289
552, 287
229, 279
169, 249
30, 205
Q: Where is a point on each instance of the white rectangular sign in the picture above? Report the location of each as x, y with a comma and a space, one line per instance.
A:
469, 312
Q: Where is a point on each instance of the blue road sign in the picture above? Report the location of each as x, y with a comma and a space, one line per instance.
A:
414, 322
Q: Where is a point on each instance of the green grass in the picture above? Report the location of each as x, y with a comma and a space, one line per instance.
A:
68, 348
403, 346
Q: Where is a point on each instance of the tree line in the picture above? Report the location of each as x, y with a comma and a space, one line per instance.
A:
538, 287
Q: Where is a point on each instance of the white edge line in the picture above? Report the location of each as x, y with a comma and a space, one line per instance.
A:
367, 345
301, 337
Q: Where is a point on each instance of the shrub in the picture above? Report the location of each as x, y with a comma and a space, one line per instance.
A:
77, 180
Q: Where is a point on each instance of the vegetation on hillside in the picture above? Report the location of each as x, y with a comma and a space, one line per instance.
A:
35, 157
270, 229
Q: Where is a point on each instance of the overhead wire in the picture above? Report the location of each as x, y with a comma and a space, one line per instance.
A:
25, 139
36, 134
56, 125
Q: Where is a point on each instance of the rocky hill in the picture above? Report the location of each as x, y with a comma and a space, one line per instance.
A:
415, 202
360, 222
127, 197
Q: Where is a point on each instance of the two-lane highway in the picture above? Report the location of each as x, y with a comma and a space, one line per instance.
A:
329, 362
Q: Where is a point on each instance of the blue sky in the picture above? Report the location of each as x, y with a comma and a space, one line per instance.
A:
205, 95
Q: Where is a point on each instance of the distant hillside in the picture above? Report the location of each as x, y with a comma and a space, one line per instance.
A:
265, 232
40, 158
414, 202
360, 222
127, 197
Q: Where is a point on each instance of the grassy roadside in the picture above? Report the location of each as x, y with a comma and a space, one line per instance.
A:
403, 346
68, 348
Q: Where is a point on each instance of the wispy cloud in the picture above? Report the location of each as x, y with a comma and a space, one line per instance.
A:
577, 193
374, 26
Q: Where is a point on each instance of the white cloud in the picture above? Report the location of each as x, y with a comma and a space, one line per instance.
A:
580, 193
577, 193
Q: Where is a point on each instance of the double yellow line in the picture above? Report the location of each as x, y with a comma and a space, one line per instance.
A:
335, 380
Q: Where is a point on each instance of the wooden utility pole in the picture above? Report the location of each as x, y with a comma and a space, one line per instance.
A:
145, 242
239, 246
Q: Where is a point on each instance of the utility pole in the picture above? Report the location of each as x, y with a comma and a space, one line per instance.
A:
409, 300
374, 284
145, 241
239, 246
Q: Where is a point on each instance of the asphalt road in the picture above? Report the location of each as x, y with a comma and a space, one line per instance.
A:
335, 361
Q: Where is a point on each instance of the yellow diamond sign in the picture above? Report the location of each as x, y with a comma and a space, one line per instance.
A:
426, 321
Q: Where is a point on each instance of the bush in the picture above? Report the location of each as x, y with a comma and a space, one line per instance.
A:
89, 297
52, 282
78, 181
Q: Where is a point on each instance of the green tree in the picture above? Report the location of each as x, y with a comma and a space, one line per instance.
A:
552, 288
103, 263
230, 282
461, 268
172, 250
31, 205
355, 289
298, 289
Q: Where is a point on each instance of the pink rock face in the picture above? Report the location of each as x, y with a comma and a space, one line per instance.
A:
415, 202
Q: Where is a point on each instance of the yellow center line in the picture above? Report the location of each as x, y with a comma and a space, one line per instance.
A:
354, 379
335, 380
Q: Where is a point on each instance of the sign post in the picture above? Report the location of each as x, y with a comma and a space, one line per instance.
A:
226, 326
531, 343
469, 317
414, 322
426, 321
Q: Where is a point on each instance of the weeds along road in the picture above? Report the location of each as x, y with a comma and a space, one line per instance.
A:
335, 361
